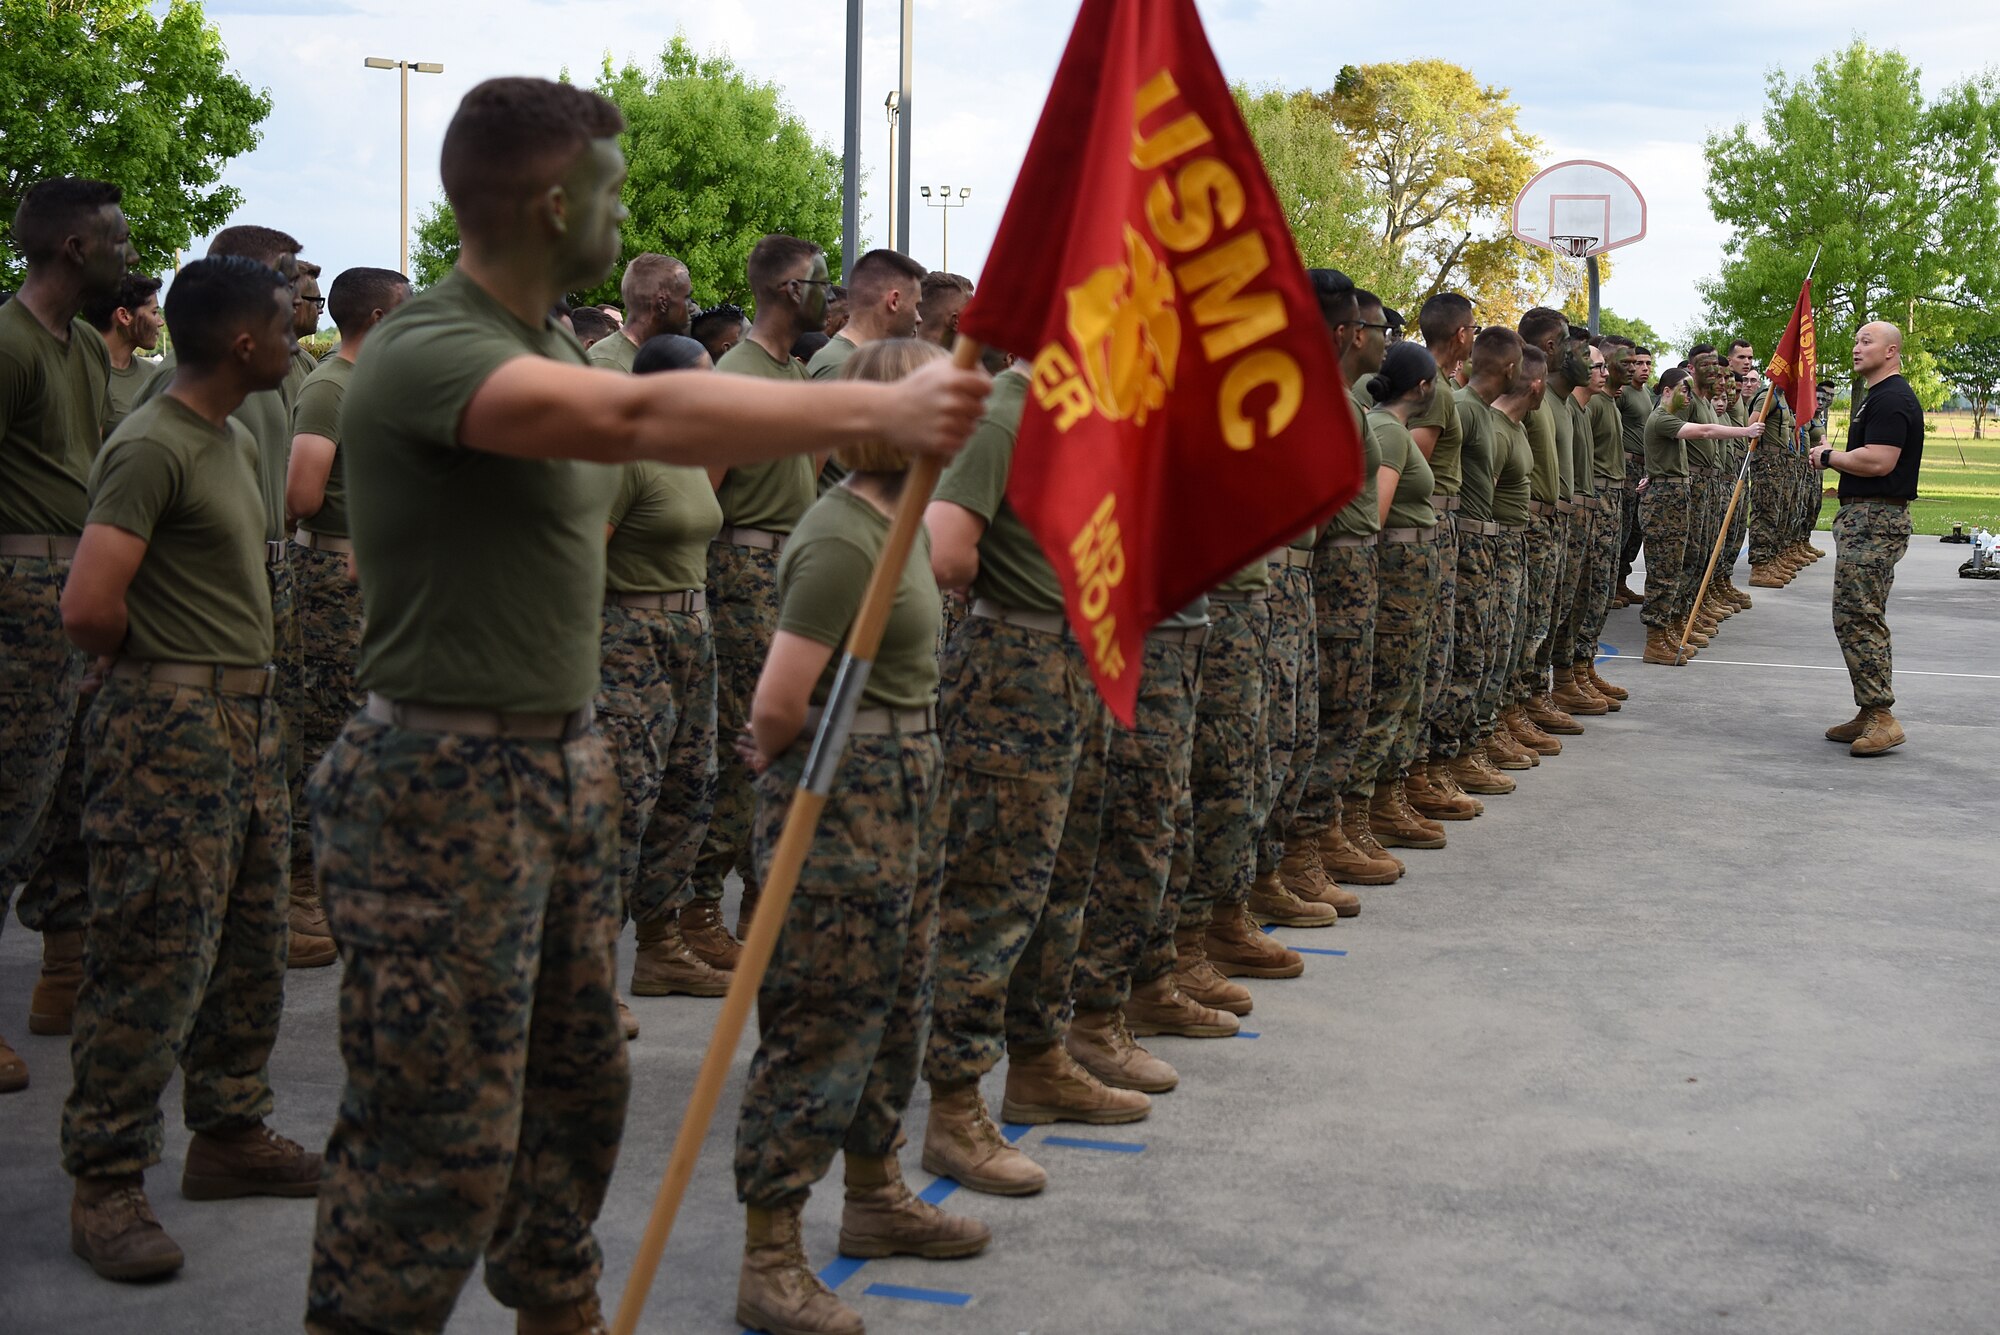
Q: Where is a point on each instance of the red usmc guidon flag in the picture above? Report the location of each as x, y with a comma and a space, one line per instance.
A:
1793, 366
1186, 413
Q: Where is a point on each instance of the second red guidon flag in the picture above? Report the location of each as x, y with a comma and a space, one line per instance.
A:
1793, 365
1186, 412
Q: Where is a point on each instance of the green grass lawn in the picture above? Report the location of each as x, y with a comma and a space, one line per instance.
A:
1960, 483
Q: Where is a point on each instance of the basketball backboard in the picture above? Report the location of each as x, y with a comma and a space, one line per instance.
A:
1580, 208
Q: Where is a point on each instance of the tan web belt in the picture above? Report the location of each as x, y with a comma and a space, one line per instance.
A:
881, 721
1400, 536
203, 676
762, 539
480, 722
323, 542
1049, 623
680, 600
1296, 558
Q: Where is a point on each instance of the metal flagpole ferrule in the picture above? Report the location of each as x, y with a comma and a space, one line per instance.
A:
829, 744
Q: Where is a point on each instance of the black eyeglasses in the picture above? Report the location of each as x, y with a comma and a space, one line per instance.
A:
317, 303
815, 282
1385, 328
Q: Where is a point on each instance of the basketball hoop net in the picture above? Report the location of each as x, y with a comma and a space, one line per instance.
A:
1576, 247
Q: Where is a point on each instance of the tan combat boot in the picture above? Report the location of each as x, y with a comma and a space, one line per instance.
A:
113, 1227
1881, 733
1615, 694
707, 939
13, 1071
664, 965
1347, 859
882, 1218
1198, 996
1301, 872
1693, 634
253, 1161
1238, 949
54, 1001
1573, 695
962, 1143
1741, 599
1160, 1007
1770, 575
1273, 901
628, 1023
309, 944
1659, 649
1508, 738
1044, 1084
1473, 773
1103, 1046
1628, 597
1550, 715
580, 1317
1394, 824
1845, 733
1439, 797
777, 1290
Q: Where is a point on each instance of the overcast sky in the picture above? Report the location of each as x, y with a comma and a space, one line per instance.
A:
1608, 86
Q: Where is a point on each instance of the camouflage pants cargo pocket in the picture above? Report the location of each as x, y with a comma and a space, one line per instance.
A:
1344, 599
743, 613
39, 674
1472, 626
401, 1012
687, 738
1228, 775
1869, 539
1292, 713
1406, 580
1665, 510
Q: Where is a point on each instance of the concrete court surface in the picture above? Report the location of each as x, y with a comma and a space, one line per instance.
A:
1699, 1031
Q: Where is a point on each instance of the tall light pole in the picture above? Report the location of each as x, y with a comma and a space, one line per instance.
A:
905, 112
850, 147
403, 67
893, 105
944, 202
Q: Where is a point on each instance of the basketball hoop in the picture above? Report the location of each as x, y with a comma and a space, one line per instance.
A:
1580, 209
1576, 247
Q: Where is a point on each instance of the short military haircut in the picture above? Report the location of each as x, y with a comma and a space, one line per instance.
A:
1495, 347
266, 245
1443, 315
307, 269
212, 301
1534, 361
646, 277
357, 293
716, 319
1540, 322
57, 209
134, 291
1641, 351
1697, 350
878, 271
938, 290
668, 352
771, 263
511, 139
1334, 291
1736, 343
1824, 384
1363, 299
838, 292
1670, 377
807, 345
591, 324
1616, 341
1577, 331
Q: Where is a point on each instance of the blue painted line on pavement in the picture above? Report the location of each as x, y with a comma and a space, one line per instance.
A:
1245, 1033
1316, 950
1013, 1131
1606, 650
839, 1271
942, 1297
935, 1193
1076, 1143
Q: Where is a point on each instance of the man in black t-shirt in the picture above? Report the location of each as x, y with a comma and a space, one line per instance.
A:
1878, 480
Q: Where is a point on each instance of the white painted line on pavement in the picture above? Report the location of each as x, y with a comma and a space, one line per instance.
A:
1821, 667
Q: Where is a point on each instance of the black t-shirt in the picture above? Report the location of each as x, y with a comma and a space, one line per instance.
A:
1889, 415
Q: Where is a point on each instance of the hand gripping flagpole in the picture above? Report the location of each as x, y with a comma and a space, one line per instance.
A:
864, 638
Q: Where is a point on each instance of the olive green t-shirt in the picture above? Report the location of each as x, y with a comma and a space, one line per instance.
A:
1194, 614
1253, 578
1582, 476
1442, 412
303, 364
768, 496
1013, 572
54, 397
1410, 507
614, 352
1701, 453
482, 576
1606, 435
826, 363
126, 387
1475, 453
1545, 473
1359, 517
821, 577
268, 415
1513, 463
663, 518
1565, 429
1635, 406
1666, 452
189, 489
317, 413
1780, 424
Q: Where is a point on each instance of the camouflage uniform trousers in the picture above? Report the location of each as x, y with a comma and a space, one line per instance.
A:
845, 1009
1631, 516
40, 674
656, 708
329, 632
1510, 578
1668, 502
1600, 572
1869, 539
1023, 733
56, 896
1576, 528
1739, 519
1215, 852
1344, 621
1291, 720
1541, 578
1771, 486
288, 656
1443, 634
743, 612
1143, 847
471, 887
1406, 579
1455, 727
1811, 501
189, 834
1704, 524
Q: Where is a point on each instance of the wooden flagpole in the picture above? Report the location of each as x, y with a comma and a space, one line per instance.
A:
864, 638
1728, 515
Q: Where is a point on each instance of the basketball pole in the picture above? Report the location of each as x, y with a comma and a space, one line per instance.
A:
1590, 266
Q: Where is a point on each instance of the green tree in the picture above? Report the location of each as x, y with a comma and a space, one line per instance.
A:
122, 91
1331, 209
716, 161
1446, 155
1970, 364
1899, 192
1577, 308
